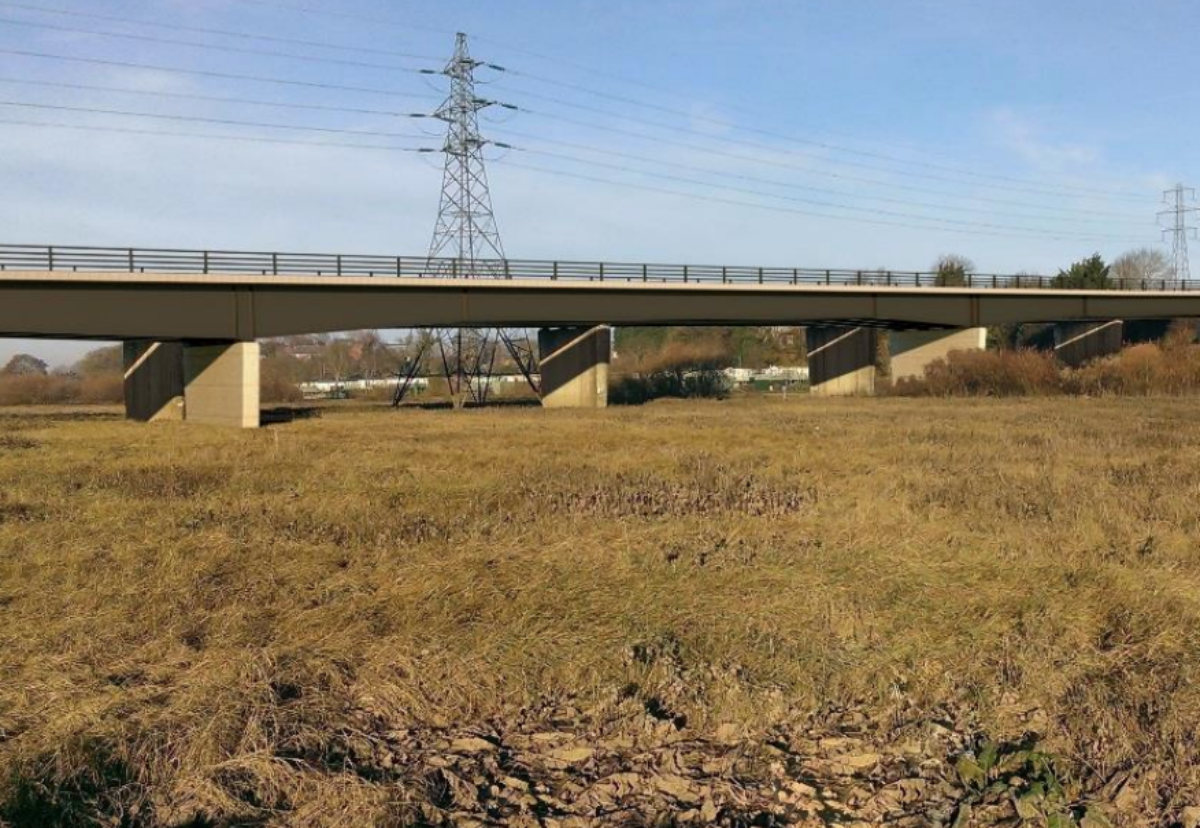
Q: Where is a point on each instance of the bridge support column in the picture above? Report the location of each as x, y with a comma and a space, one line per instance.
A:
1077, 342
574, 366
841, 361
912, 351
221, 383
153, 380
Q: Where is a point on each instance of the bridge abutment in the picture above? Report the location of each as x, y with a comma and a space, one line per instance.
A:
841, 360
912, 351
221, 383
153, 380
1078, 342
573, 363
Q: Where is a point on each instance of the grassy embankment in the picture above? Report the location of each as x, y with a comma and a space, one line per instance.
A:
387, 617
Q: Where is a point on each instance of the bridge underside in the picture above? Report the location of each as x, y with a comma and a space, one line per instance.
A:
172, 307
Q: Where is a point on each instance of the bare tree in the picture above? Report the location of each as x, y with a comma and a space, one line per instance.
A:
952, 270
25, 365
1139, 268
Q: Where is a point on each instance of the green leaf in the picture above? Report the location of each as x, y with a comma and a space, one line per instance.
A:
1027, 805
988, 755
970, 772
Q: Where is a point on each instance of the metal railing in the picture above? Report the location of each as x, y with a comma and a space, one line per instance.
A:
18, 257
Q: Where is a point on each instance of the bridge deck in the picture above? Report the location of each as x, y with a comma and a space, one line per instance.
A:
193, 306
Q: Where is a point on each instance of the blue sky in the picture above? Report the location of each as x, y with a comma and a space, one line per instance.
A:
870, 133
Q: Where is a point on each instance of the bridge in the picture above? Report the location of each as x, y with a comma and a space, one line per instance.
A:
190, 319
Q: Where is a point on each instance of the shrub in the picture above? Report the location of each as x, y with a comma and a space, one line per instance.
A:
277, 383
58, 389
985, 374
1142, 370
680, 369
1170, 369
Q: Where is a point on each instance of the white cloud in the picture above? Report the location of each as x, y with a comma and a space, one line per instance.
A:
1030, 141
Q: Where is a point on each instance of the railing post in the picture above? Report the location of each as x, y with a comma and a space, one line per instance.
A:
274, 264
685, 274
858, 280
993, 281
204, 256
760, 275
339, 264
601, 271
398, 268
645, 273
507, 272
827, 277
724, 274
454, 268
554, 271
889, 278
132, 269
795, 275
50, 258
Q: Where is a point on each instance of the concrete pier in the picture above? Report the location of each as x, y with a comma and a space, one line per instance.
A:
841, 361
1078, 342
221, 383
153, 380
573, 362
912, 351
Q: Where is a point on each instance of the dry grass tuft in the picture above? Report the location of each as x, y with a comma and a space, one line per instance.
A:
706, 613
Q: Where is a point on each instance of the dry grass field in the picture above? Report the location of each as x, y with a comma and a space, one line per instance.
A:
901, 611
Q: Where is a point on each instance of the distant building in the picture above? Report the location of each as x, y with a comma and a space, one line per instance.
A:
771, 374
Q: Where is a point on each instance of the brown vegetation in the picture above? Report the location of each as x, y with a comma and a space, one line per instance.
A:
1168, 369
706, 613
59, 389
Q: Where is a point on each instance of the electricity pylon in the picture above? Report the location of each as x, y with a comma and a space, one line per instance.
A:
466, 244
1180, 211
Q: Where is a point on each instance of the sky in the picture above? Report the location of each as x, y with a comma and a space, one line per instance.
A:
1021, 134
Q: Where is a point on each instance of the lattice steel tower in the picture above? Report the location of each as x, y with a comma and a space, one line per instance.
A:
466, 240
1180, 211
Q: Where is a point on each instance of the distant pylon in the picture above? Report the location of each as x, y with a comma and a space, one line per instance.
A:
466, 241
1179, 212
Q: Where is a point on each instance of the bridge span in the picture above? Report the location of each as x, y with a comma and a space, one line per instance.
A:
205, 309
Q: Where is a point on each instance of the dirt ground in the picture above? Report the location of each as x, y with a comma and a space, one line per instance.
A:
782, 612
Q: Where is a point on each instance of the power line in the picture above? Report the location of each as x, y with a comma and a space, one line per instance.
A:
807, 188
857, 164
531, 167
251, 139
203, 120
347, 16
826, 204
662, 90
156, 93
569, 144
808, 141
538, 113
770, 207
562, 84
858, 179
213, 47
174, 27
475, 175
123, 64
